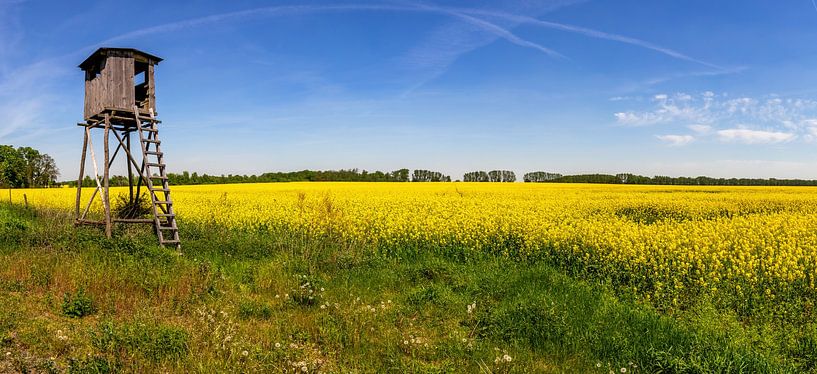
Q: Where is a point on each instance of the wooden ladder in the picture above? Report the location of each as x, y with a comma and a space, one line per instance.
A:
164, 219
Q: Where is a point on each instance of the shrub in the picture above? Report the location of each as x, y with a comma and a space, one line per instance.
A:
78, 305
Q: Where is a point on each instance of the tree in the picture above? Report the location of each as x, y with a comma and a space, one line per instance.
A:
401, 175
47, 171
26, 167
11, 167
541, 176
476, 176
421, 175
501, 176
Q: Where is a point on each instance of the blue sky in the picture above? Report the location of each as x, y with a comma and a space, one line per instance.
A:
726, 88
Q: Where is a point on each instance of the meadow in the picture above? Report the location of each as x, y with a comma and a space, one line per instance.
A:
419, 277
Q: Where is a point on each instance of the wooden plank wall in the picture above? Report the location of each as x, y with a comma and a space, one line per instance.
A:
151, 97
112, 88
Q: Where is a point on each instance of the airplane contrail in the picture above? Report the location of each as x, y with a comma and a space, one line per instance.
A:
466, 14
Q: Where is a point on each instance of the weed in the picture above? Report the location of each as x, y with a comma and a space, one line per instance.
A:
78, 304
254, 309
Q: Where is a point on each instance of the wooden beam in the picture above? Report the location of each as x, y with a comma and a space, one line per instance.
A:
133, 220
107, 197
88, 206
89, 222
81, 171
127, 150
130, 171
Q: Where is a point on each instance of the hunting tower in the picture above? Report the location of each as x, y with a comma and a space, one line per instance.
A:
120, 99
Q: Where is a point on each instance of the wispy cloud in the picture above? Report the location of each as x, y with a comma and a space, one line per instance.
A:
507, 35
676, 140
590, 33
26, 99
470, 15
747, 120
748, 136
668, 109
10, 32
464, 33
700, 129
305, 9
25, 92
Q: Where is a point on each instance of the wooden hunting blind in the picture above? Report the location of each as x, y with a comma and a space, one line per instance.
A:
119, 78
120, 98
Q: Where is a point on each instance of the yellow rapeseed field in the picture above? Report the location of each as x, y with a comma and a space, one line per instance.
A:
665, 240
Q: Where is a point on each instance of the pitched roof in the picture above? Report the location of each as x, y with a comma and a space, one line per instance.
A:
104, 52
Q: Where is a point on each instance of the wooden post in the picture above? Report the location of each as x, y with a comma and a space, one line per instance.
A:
81, 170
130, 172
106, 195
25, 199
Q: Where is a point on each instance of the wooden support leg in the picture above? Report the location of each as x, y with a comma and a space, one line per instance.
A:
107, 200
81, 171
130, 171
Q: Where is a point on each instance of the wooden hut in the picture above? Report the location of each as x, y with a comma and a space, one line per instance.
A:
117, 79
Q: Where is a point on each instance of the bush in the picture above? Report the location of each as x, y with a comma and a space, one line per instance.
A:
78, 305
138, 208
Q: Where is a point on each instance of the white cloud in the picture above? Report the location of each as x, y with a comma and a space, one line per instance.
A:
748, 136
676, 140
811, 130
668, 110
773, 119
700, 129
638, 119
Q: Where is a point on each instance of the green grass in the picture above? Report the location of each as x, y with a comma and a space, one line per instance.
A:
234, 301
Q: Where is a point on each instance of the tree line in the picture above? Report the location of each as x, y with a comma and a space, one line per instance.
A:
627, 178
491, 176
26, 167
343, 175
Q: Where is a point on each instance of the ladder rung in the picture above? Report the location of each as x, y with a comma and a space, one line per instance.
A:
154, 153
165, 215
166, 227
160, 189
153, 141
166, 202
171, 241
150, 129
158, 177
155, 164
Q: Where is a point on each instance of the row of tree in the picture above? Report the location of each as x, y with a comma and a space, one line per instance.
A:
26, 167
350, 175
429, 176
491, 176
627, 178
